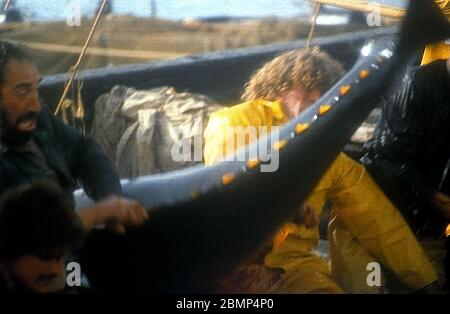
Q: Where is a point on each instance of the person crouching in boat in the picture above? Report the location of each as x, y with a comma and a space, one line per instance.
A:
39, 230
365, 229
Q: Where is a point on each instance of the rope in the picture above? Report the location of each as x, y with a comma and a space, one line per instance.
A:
317, 7
74, 69
6, 7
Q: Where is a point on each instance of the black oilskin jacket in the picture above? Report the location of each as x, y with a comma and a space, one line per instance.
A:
77, 160
410, 149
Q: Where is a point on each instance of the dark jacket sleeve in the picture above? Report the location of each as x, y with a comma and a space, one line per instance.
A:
88, 163
392, 152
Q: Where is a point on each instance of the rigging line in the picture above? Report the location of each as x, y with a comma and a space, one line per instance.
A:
7, 4
74, 69
317, 7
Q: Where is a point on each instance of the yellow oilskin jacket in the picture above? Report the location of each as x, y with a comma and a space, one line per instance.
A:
375, 224
255, 113
439, 51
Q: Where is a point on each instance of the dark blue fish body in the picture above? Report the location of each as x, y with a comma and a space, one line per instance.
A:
204, 221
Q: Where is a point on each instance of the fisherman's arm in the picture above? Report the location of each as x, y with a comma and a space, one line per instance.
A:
88, 163
397, 142
95, 171
114, 213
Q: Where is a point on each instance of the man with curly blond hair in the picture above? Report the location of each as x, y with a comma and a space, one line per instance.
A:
365, 228
311, 69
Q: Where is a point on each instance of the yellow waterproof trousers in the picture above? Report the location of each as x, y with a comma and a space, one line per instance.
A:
365, 228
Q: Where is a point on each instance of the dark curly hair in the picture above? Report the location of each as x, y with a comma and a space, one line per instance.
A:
11, 51
38, 219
